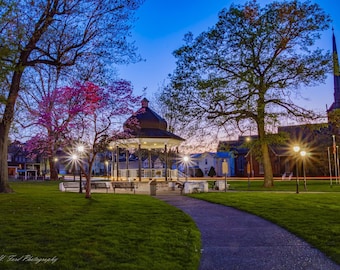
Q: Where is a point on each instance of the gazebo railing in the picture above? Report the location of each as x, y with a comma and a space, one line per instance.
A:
131, 174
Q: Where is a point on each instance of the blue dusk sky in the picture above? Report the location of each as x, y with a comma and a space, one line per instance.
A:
161, 26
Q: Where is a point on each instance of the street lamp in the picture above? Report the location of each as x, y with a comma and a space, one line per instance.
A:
186, 160
303, 155
107, 168
74, 158
80, 149
251, 167
111, 149
300, 154
296, 149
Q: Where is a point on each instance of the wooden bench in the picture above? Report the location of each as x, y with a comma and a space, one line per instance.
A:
72, 185
124, 185
94, 185
101, 185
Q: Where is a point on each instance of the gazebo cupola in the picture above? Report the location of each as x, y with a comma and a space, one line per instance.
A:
147, 128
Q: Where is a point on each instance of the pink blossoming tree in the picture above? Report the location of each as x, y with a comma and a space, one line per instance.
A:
85, 114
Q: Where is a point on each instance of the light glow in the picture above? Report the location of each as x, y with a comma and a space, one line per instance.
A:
296, 148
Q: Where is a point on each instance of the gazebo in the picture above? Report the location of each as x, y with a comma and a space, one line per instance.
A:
145, 129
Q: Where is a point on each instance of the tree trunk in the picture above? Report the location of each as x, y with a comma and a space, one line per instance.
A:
88, 176
88, 186
267, 166
88, 173
53, 170
5, 125
4, 185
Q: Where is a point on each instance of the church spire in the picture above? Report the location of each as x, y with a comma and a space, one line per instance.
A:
335, 58
336, 76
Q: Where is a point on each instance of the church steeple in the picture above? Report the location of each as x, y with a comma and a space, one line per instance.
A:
336, 76
336, 71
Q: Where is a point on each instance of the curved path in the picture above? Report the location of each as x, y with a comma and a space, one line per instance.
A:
232, 239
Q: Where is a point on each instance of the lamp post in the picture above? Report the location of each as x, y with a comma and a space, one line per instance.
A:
111, 149
186, 160
251, 167
296, 149
225, 170
300, 154
80, 150
336, 173
74, 158
303, 155
107, 169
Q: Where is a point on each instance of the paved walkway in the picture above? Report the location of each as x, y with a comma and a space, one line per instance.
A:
232, 239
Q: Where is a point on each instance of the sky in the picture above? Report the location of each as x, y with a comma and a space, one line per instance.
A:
161, 26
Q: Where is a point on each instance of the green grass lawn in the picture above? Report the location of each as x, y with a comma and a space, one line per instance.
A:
140, 232
106, 232
313, 215
257, 185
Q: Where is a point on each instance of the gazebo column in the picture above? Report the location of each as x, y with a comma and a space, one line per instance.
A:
127, 163
139, 162
150, 161
177, 164
117, 161
166, 162
113, 163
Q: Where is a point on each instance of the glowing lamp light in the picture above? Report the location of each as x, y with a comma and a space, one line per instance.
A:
296, 148
81, 148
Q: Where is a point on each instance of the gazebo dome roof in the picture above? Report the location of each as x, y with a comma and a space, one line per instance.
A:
147, 124
146, 119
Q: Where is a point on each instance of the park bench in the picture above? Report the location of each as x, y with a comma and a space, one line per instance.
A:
101, 185
71, 185
124, 185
